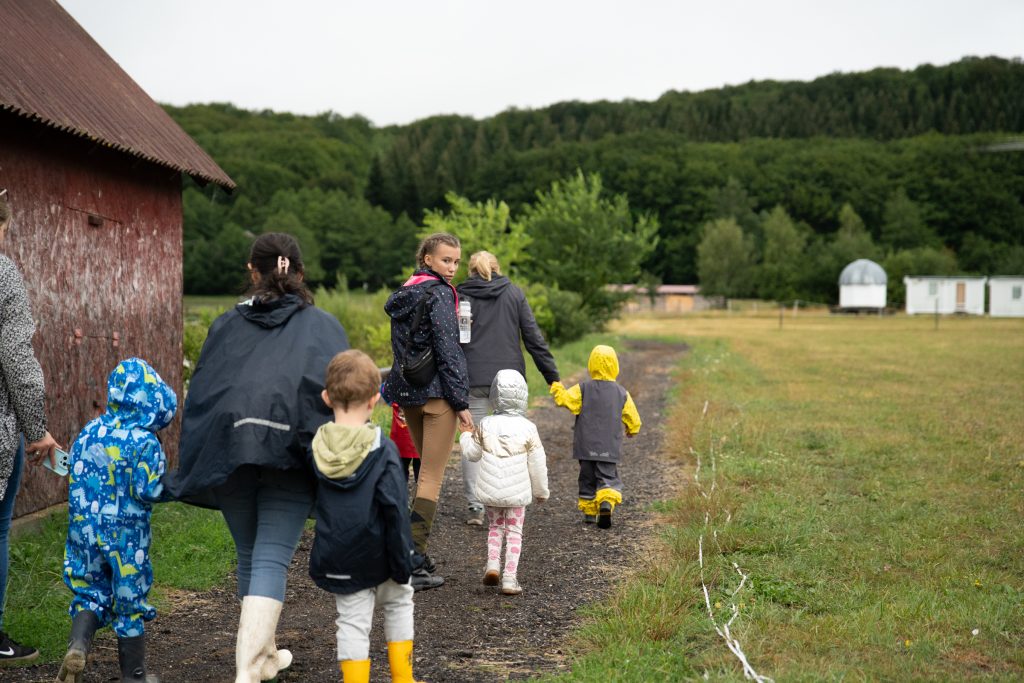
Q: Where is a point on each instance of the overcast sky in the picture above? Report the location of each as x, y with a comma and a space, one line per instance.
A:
398, 61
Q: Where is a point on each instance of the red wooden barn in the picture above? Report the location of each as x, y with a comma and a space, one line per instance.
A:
93, 169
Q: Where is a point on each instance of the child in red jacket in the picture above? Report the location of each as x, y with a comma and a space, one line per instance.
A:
403, 439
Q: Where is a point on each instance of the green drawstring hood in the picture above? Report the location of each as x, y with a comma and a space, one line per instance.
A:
339, 450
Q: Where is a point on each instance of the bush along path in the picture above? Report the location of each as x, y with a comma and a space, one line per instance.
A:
465, 631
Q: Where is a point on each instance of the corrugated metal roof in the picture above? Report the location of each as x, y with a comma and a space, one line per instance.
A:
52, 71
661, 289
944, 277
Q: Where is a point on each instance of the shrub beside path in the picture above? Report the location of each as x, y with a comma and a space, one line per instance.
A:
465, 631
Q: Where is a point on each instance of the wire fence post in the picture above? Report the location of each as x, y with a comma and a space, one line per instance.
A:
936, 314
782, 310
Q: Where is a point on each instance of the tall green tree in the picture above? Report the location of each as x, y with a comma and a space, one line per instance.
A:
725, 259
358, 244
852, 241
216, 265
733, 201
903, 224
827, 256
481, 225
783, 251
584, 240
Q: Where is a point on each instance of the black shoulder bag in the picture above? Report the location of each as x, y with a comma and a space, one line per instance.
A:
419, 369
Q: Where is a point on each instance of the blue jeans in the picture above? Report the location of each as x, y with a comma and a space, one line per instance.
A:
266, 511
6, 512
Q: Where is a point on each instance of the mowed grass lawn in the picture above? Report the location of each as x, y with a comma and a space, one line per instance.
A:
864, 474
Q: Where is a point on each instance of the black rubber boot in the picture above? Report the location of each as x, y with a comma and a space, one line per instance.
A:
604, 516
83, 628
131, 655
423, 576
421, 520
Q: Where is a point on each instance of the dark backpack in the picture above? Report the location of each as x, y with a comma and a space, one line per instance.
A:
418, 369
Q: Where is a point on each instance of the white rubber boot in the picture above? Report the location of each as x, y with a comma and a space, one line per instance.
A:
256, 656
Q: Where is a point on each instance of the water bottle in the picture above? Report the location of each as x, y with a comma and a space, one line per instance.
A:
465, 320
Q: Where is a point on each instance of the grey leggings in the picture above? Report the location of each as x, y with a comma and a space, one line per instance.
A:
266, 511
479, 407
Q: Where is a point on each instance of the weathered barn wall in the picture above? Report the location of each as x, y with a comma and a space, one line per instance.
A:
97, 235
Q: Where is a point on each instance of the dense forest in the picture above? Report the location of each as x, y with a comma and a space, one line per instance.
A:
764, 189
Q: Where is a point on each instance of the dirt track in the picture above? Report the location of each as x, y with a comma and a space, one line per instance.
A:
465, 631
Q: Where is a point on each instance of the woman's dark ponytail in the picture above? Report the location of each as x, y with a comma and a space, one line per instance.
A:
276, 257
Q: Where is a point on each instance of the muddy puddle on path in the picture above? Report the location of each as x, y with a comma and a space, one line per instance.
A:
465, 631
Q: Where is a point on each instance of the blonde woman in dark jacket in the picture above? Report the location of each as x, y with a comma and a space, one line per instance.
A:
502, 319
21, 412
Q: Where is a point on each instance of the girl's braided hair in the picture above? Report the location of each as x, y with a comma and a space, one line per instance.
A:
432, 242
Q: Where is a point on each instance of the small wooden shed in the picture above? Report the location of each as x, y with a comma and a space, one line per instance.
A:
666, 299
93, 168
862, 286
945, 295
1006, 296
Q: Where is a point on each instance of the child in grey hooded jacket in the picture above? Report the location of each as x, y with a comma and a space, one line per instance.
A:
513, 472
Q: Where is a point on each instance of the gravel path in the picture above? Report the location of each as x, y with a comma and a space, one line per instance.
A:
465, 631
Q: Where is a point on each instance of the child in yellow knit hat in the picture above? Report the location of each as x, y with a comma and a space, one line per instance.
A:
600, 404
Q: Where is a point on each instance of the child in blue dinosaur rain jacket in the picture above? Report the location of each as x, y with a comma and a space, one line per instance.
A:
603, 410
115, 471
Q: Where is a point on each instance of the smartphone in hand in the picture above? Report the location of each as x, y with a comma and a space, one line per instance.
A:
63, 460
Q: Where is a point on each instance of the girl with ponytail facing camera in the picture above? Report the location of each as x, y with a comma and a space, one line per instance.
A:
423, 319
252, 409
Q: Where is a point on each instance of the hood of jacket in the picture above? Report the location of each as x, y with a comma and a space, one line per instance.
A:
271, 312
475, 287
509, 394
339, 450
138, 398
402, 303
603, 363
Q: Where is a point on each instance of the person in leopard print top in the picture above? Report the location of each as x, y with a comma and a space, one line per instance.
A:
21, 411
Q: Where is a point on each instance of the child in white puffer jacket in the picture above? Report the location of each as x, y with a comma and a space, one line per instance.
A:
513, 472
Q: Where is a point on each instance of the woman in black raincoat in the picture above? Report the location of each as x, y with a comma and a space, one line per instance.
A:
251, 411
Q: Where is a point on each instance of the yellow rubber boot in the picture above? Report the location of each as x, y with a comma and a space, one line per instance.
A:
400, 658
355, 670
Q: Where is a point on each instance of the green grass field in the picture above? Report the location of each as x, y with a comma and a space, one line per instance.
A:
192, 551
864, 474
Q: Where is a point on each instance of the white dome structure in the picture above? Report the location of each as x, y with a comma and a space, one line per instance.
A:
863, 272
862, 286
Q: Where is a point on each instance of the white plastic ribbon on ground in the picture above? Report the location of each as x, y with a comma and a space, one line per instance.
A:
721, 629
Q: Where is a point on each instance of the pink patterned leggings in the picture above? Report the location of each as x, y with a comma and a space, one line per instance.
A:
506, 524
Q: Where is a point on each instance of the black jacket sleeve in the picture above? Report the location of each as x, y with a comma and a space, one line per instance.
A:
392, 502
451, 360
534, 342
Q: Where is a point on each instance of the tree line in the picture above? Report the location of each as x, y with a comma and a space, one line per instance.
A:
910, 154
